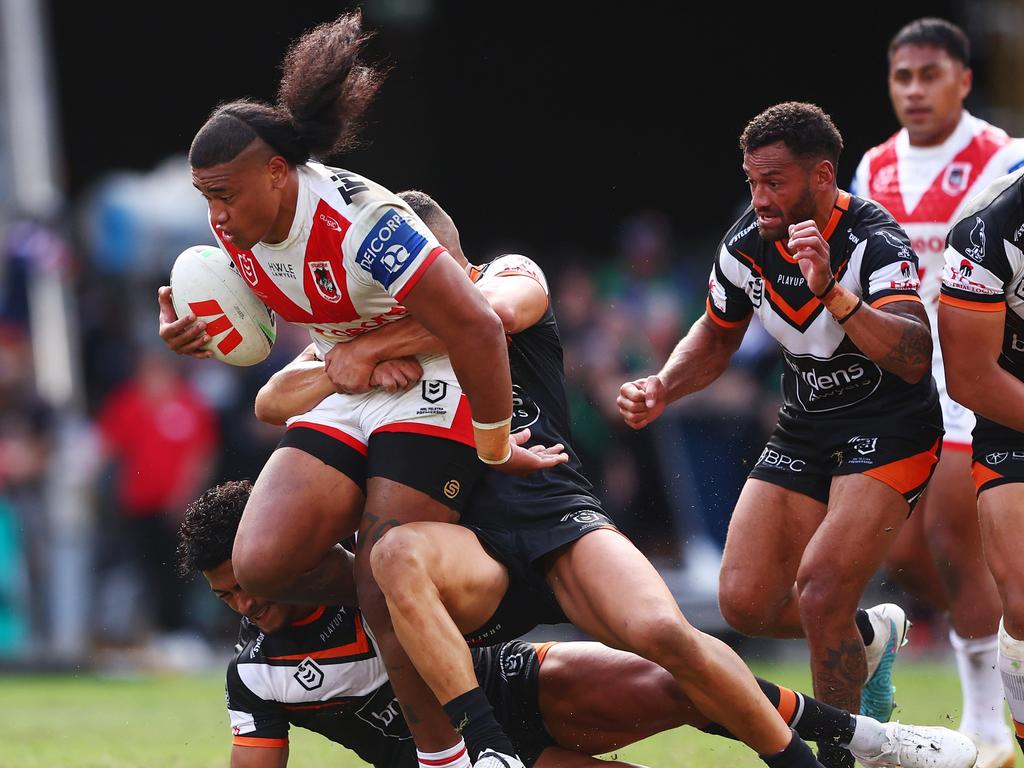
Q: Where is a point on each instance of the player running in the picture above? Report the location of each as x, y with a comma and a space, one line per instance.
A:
981, 329
561, 703
333, 251
924, 175
834, 280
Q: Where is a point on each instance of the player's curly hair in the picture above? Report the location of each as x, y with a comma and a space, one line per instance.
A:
804, 128
207, 533
937, 32
323, 95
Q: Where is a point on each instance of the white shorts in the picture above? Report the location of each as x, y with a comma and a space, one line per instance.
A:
957, 420
435, 406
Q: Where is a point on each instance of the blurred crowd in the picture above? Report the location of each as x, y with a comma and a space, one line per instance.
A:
158, 429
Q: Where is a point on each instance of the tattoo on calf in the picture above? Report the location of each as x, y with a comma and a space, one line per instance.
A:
840, 675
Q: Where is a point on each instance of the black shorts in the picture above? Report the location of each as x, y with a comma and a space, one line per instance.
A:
528, 602
509, 675
445, 470
998, 455
332, 451
803, 455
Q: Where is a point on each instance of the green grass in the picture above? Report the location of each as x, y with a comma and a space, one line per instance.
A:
179, 722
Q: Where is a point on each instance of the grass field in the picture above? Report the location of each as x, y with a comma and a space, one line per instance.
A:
180, 722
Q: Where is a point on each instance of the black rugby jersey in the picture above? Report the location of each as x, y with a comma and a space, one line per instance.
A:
538, 402
984, 269
324, 674
825, 375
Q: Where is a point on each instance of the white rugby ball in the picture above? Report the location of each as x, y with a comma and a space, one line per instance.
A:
205, 282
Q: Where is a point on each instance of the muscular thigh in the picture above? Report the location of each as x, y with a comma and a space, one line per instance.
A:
768, 532
595, 699
300, 506
1001, 509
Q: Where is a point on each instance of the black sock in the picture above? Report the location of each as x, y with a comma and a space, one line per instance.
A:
867, 632
833, 756
472, 716
1020, 741
814, 720
796, 755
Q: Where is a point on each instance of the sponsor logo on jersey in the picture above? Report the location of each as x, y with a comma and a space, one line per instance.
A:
773, 458
383, 713
976, 250
882, 180
1016, 344
323, 279
333, 624
309, 674
959, 278
248, 268
433, 391
524, 410
389, 248
956, 177
256, 647
331, 222
282, 269
966, 268
852, 237
828, 384
790, 280
743, 232
1018, 233
755, 290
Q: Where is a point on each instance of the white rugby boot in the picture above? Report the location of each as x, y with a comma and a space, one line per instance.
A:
891, 626
920, 746
490, 758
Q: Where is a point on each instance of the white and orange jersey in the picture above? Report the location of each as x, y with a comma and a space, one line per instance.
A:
926, 188
354, 251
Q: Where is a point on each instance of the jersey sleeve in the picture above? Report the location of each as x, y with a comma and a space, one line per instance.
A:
727, 304
888, 269
255, 722
390, 246
975, 271
860, 185
512, 265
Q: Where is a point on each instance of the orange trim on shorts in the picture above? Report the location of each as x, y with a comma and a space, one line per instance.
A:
337, 434
720, 321
422, 270
982, 475
251, 741
787, 704
974, 306
904, 475
1019, 728
542, 650
461, 430
890, 299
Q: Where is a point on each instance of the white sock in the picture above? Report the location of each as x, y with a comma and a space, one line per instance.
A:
1011, 668
868, 736
453, 757
981, 686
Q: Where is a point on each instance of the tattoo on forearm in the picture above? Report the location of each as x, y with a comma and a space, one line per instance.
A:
913, 349
838, 676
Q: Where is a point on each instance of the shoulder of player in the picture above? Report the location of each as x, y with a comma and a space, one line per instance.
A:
512, 264
889, 145
865, 217
742, 235
995, 215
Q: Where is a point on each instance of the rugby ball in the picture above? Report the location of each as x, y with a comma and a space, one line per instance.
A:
205, 282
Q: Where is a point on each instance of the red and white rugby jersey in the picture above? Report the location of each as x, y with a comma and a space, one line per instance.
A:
926, 188
354, 251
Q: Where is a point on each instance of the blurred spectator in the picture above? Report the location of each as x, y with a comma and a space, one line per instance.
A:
163, 439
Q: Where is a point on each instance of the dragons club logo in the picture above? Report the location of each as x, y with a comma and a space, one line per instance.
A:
323, 279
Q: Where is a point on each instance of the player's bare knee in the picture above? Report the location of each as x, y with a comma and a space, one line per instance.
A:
742, 606
825, 602
664, 637
398, 560
259, 569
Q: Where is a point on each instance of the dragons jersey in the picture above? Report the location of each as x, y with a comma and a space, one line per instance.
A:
353, 252
539, 402
984, 268
926, 188
825, 374
323, 673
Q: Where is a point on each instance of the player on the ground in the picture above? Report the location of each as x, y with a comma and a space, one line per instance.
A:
834, 280
924, 175
336, 252
547, 531
561, 703
981, 329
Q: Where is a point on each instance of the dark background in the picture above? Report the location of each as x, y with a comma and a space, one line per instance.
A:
537, 124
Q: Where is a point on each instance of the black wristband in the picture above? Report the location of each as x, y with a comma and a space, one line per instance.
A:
852, 311
829, 287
